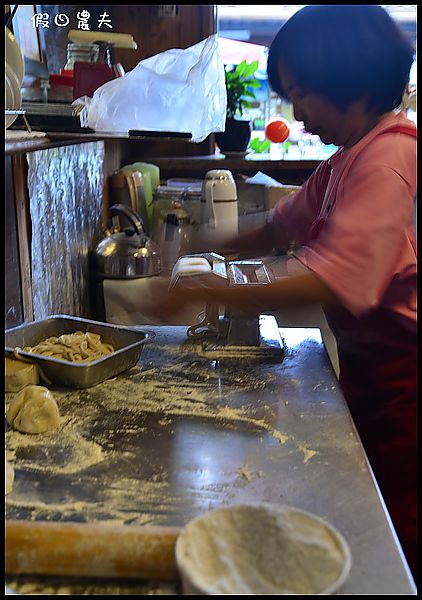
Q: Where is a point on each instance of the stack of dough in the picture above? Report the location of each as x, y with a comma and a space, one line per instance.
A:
74, 347
187, 266
190, 265
19, 374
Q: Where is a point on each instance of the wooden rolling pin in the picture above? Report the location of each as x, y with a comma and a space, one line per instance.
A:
91, 550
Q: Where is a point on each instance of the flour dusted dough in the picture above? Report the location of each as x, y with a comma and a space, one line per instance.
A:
10, 477
33, 410
19, 374
260, 549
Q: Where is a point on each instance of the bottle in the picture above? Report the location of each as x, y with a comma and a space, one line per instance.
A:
219, 202
81, 53
174, 238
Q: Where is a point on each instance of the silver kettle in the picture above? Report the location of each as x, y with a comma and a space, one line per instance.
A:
127, 254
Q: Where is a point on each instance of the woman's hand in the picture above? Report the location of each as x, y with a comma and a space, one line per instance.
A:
180, 305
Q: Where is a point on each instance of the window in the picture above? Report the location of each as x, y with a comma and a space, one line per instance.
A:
253, 28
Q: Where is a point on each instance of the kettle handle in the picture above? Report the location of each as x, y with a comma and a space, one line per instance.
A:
209, 202
130, 214
130, 181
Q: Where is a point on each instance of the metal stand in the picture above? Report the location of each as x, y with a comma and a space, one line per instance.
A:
268, 340
9, 111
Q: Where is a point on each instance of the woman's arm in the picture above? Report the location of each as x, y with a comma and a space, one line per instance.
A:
255, 240
299, 289
294, 290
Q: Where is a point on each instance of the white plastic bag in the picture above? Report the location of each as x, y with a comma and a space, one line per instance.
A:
179, 90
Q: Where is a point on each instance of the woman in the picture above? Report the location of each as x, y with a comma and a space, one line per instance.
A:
344, 69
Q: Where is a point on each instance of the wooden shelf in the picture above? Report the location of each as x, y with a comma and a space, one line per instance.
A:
55, 139
50, 141
286, 171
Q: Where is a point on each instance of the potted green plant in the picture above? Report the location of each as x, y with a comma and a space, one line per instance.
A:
239, 82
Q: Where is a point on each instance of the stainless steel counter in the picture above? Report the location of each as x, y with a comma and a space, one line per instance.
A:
182, 433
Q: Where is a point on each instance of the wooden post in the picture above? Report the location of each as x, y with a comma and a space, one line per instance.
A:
23, 219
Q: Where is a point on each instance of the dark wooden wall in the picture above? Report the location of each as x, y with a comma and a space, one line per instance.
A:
152, 33
155, 34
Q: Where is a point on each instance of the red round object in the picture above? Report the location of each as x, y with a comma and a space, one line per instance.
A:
277, 131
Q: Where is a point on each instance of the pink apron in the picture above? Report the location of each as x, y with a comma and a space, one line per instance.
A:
378, 376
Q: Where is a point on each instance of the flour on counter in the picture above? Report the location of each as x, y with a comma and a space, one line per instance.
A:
308, 454
55, 586
246, 473
90, 468
64, 452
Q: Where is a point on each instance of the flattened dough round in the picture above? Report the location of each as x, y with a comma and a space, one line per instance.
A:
261, 549
33, 410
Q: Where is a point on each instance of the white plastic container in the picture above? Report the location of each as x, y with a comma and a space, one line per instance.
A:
219, 197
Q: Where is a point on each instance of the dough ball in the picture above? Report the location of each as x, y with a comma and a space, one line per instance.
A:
10, 477
33, 410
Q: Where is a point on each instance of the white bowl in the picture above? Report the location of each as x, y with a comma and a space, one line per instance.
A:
14, 56
261, 549
13, 99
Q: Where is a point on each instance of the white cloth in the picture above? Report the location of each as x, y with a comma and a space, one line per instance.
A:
129, 302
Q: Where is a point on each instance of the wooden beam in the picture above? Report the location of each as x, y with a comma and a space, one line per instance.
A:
23, 221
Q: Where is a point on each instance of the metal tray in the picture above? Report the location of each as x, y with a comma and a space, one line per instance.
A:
128, 344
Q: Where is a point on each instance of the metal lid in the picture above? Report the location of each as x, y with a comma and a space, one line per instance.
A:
164, 192
221, 174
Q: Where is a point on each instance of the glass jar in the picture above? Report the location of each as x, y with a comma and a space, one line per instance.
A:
167, 198
81, 53
173, 237
164, 200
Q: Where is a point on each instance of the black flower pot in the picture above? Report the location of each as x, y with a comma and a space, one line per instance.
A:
236, 136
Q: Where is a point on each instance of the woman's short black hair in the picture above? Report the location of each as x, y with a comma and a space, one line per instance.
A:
345, 53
